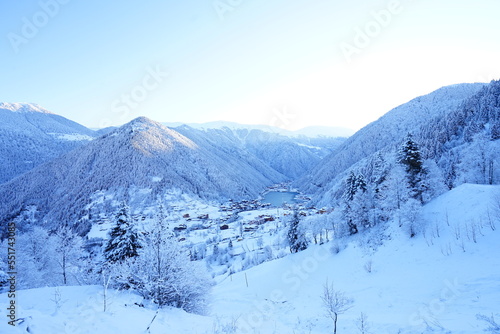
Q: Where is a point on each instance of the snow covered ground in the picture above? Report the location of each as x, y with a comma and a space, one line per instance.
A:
414, 284
436, 282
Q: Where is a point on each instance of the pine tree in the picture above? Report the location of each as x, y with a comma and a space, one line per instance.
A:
411, 158
378, 188
123, 240
356, 206
361, 209
296, 238
350, 187
360, 183
379, 173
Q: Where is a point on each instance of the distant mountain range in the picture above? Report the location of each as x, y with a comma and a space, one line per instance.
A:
31, 135
144, 160
291, 156
311, 131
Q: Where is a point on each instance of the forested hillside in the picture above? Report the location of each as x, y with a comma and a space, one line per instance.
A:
31, 135
386, 134
291, 156
142, 159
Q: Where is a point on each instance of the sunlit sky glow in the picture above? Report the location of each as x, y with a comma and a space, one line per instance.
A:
275, 62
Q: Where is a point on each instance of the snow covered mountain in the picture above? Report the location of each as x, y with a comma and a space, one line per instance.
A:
311, 131
140, 159
31, 135
384, 135
291, 153
291, 156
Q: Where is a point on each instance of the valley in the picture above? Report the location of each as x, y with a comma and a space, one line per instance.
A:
225, 228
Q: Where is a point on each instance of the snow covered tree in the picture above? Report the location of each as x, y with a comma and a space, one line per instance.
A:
296, 237
357, 203
361, 183
335, 303
395, 189
350, 187
215, 253
67, 250
379, 172
123, 239
409, 217
361, 211
36, 265
3, 275
353, 184
199, 252
434, 180
164, 273
314, 225
362, 324
478, 160
493, 326
411, 158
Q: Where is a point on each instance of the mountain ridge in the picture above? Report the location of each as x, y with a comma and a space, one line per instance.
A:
310, 131
386, 133
24, 107
142, 154
31, 135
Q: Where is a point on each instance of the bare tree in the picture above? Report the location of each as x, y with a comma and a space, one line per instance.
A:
335, 303
493, 326
106, 277
362, 324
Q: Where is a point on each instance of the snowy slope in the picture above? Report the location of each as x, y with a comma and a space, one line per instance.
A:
414, 284
31, 135
80, 311
385, 133
434, 283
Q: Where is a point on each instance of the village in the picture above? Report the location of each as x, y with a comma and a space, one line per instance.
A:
231, 236
238, 229
260, 212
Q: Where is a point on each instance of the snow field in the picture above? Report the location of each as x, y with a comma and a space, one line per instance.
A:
412, 286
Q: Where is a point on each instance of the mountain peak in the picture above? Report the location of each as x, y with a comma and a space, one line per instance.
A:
148, 136
142, 123
142, 120
23, 107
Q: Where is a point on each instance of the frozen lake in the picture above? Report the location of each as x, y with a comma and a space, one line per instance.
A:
277, 198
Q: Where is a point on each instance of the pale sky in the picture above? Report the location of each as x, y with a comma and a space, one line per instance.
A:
288, 63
